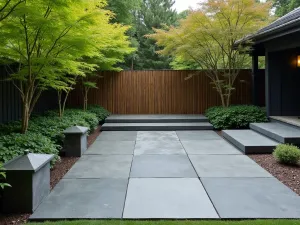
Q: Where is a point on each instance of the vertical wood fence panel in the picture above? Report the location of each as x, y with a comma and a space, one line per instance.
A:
160, 92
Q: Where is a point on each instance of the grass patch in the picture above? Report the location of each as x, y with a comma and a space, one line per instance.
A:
178, 222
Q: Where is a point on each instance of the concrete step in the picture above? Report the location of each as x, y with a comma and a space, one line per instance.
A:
250, 142
155, 118
280, 132
156, 126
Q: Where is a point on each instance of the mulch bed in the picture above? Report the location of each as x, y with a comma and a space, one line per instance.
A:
289, 175
56, 174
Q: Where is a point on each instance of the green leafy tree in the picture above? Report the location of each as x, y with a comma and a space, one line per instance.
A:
206, 39
152, 14
48, 39
2, 177
7, 7
282, 7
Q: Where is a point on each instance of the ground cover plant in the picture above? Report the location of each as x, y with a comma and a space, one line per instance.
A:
287, 154
45, 132
235, 117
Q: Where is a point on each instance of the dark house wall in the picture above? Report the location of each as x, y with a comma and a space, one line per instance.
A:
282, 82
10, 101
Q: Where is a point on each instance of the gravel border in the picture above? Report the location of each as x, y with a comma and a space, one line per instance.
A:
56, 174
289, 175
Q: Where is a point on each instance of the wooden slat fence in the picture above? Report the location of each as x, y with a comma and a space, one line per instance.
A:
160, 92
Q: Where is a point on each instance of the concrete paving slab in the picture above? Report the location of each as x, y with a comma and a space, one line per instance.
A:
210, 147
157, 136
84, 199
197, 135
280, 132
162, 166
159, 147
101, 166
155, 118
250, 142
156, 126
227, 166
111, 148
117, 136
252, 198
173, 198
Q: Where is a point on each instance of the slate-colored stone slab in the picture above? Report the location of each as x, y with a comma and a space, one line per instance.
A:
198, 135
156, 126
250, 142
84, 199
280, 132
209, 147
157, 136
174, 198
117, 136
162, 166
101, 166
111, 148
155, 118
159, 147
252, 198
227, 166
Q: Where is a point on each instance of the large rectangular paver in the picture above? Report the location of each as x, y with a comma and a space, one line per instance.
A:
84, 199
227, 166
111, 148
252, 198
210, 147
101, 166
117, 136
197, 135
162, 166
159, 147
157, 136
167, 198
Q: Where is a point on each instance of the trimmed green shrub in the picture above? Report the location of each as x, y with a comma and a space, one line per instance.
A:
287, 154
2, 178
235, 117
100, 112
15, 144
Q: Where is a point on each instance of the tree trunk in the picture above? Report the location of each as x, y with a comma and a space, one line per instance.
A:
60, 113
25, 117
85, 99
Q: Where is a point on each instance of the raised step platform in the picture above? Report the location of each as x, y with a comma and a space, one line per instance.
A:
155, 118
280, 132
250, 142
156, 126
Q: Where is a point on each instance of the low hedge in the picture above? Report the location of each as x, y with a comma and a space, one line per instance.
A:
235, 117
45, 132
15, 144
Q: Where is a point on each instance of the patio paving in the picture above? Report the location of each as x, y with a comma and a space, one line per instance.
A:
167, 175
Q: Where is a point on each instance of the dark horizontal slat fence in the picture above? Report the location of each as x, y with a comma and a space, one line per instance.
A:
160, 92
10, 100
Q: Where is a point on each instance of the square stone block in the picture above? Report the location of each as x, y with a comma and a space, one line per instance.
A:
197, 135
252, 198
174, 198
162, 166
157, 136
84, 199
111, 148
117, 136
101, 166
227, 166
159, 147
210, 147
